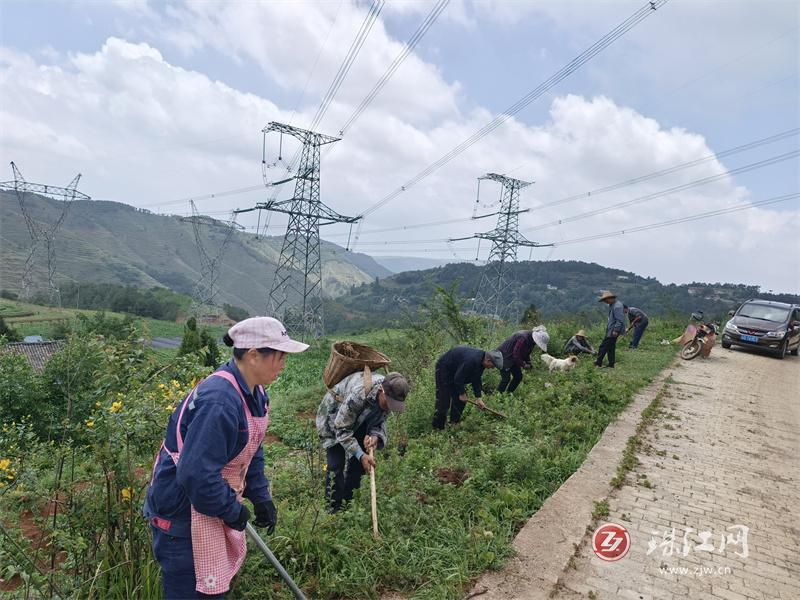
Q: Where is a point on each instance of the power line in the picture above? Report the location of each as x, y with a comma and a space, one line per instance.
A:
696, 217
596, 192
338, 79
409, 46
744, 169
537, 92
610, 188
316, 61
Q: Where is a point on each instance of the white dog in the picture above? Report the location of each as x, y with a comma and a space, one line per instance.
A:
559, 364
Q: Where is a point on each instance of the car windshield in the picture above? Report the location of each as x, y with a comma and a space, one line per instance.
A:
764, 312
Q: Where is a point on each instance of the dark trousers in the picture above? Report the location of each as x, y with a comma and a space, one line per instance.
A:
638, 331
608, 346
514, 374
446, 399
343, 475
176, 559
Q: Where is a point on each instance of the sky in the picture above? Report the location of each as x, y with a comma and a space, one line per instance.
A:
157, 103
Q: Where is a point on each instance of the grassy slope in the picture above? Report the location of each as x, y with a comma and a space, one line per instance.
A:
435, 535
102, 241
35, 319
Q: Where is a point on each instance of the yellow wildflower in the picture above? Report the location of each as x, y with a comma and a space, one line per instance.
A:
97, 404
176, 384
170, 408
5, 428
116, 407
4, 464
90, 423
161, 386
127, 494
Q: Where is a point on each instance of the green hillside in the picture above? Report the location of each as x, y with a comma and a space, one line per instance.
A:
556, 288
115, 243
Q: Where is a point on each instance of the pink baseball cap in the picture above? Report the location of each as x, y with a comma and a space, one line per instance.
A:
264, 332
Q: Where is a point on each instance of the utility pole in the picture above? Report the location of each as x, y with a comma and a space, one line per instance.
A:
491, 298
42, 233
205, 291
296, 293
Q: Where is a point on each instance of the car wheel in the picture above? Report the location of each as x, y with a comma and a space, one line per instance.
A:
782, 350
726, 345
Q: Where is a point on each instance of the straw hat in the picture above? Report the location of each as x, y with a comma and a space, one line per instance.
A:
606, 295
581, 333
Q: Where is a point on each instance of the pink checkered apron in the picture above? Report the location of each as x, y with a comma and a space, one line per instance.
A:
218, 550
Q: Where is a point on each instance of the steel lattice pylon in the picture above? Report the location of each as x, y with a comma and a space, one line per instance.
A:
296, 293
205, 290
492, 297
42, 233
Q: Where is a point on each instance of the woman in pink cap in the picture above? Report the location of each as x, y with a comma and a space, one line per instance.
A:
211, 458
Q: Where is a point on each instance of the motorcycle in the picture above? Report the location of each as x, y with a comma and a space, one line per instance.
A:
698, 339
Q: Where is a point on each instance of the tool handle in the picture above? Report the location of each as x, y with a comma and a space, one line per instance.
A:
275, 563
373, 497
491, 410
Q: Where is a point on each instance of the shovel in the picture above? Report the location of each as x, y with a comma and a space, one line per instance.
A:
491, 410
271, 558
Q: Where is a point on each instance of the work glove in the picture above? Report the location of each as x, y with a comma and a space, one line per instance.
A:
266, 515
241, 521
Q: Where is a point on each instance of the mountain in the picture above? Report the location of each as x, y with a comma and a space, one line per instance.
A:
556, 288
401, 264
109, 242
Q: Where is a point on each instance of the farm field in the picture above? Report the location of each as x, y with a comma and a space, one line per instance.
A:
76, 465
36, 319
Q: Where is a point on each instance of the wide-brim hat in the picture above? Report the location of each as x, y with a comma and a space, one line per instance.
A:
264, 332
605, 295
540, 337
581, 333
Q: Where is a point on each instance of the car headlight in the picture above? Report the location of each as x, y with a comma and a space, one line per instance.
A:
778, 333
731, 327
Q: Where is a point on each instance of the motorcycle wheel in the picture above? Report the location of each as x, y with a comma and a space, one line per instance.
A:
692, 349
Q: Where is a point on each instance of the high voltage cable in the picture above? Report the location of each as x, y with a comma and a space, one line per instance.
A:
675, 221
344, 69
668, 171
409, 46
750, 145
744, 169
316, 60
696, 217
537, 92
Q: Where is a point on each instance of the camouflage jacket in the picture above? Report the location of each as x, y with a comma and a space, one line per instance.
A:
338, 421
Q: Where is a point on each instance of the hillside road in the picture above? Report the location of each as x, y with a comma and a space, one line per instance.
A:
721, 459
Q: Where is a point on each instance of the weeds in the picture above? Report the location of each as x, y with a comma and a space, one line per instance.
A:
450, 502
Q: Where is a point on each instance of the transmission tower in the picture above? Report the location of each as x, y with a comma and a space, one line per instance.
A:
491, 298
296, 294
205, 290
42, 234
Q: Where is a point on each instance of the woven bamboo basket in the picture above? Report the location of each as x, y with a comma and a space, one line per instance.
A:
347, 358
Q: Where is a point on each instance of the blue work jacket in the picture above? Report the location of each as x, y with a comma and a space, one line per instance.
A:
616, 319
214, 430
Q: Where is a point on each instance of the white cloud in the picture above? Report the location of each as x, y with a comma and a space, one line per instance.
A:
143, 130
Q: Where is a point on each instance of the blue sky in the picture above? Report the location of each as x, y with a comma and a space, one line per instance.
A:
179, 91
